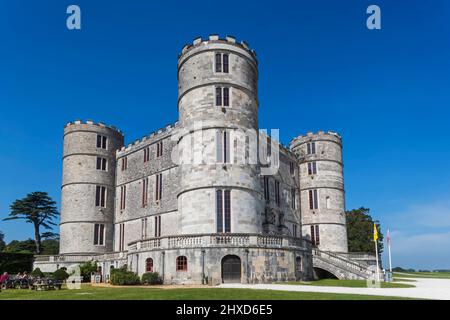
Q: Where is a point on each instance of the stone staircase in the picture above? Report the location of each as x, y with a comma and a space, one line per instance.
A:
340, 266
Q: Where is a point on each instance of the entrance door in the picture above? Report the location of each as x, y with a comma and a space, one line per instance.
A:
231, 269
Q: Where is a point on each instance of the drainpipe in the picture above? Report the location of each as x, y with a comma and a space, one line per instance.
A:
163, 264
247, 267
203, 266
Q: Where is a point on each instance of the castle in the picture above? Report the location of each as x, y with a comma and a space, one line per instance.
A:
209, 199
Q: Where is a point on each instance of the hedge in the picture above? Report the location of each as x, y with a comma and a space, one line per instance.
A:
151, 278
16, 262
123, 277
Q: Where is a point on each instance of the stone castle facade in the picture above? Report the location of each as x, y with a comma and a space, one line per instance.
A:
198, 201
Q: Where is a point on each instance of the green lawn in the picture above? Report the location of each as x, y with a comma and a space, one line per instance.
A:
437, 275
132, 293
347, 283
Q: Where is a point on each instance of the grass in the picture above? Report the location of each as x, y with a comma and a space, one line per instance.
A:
89, 292
435, 275
347, 283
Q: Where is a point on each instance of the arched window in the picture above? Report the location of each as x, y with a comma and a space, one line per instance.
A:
181, 263
149, 265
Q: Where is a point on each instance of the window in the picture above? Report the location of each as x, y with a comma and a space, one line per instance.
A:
277, 192
181, 263
221, 63
149, 265
315, 237
100, 196
121, 237
101, 163
158, 188
291, 167
222, 146
146, 154
144, 228
99, 234
311, 148
101, 141
223, 210
266, 189
312, 168
159, 149
123, 196
293, 202
222, 96
144, 192
299, 264
124, 163
328, 201
157, 226
294, 230
313, 199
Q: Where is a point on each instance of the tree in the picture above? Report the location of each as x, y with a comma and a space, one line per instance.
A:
360, 231
25, 246
36, 208
2, 241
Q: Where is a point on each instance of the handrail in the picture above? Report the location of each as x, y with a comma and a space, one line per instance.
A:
349, 264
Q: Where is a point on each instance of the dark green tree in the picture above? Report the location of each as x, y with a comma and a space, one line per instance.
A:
25, 246
360, 231
2, 241
36, 208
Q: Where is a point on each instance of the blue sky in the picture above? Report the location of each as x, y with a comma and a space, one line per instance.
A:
386, 91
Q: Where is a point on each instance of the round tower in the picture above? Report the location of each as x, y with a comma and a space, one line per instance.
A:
87, 194
218, 108
322, 189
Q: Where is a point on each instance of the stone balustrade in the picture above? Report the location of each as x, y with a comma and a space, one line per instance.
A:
218, 240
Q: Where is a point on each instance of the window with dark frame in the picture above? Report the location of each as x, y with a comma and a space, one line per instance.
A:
293, 200
149, 265
158, 189
311, 148
312, 168
157, 226
222, 96
99, 234
101, 163
144, 192
123, 196
313, 199
266, 189
124, 163
100, 196
121, 237
182, 263
223, 211
277, 192
291, 167
315, 237
101, 141
146, 154
159, 149
221, 62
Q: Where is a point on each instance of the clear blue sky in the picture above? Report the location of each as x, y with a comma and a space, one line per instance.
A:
385, 91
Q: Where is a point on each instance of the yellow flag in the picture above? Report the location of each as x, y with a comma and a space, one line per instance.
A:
375, 232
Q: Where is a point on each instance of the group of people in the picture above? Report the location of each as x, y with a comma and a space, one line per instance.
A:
5, 277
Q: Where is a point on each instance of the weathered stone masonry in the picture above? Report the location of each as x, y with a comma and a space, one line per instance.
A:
269, 236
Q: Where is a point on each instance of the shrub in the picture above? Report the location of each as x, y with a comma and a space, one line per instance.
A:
60, 274
37, 273
151, 278
123, 277
16, 262
86, 269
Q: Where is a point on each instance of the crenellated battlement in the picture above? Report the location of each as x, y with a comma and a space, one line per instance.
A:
320, 135
214, 38
78, 123
147, 139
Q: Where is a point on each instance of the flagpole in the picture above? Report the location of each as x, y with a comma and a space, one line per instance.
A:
389, 251
376, 256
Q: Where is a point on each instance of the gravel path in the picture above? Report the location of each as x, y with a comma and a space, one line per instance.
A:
426, 288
